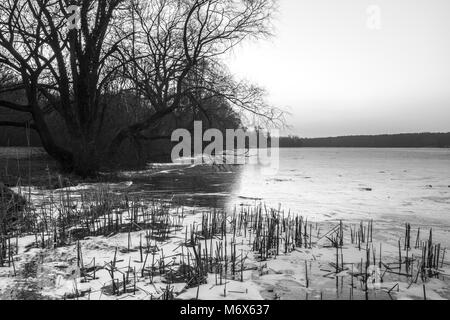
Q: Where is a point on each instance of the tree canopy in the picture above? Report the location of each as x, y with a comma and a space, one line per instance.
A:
164, 53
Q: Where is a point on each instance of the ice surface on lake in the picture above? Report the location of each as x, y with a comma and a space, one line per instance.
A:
358, 182
393, 186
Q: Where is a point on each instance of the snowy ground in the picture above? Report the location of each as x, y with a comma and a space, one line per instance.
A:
134, 265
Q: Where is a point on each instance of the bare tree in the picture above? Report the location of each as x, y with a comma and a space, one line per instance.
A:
176, 52
166, 52
64, 67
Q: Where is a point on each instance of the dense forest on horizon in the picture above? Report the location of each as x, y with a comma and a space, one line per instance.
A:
404, 140
22, 137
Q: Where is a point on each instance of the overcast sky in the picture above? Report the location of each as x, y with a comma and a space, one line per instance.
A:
337, 76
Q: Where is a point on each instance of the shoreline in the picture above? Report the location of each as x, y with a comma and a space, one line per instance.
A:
160, 251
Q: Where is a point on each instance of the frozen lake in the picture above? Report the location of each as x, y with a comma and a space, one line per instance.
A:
391, 186
358, 183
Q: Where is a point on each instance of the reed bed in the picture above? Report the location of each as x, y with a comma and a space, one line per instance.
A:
210, 242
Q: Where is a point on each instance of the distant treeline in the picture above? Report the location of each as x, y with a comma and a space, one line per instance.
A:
23, 137
407, 140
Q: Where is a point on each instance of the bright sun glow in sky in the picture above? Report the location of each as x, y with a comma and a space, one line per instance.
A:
336, 76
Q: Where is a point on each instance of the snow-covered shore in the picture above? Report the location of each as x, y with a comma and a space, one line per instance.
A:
155, 250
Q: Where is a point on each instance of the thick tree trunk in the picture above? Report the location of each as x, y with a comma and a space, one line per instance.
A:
61, 155
85, 159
